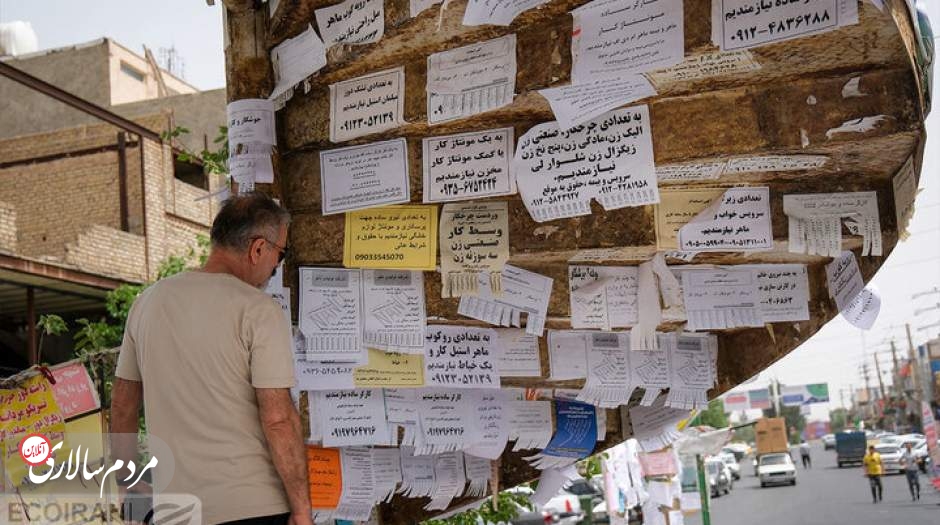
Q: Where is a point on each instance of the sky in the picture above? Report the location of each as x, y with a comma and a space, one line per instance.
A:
834, 355
191, 26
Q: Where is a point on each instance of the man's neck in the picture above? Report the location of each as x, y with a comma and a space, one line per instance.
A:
221, 261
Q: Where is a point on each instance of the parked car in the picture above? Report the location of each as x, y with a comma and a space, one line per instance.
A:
566, 506
890, 457
829, 441
889, 439
732, 464
922, 455
718, 479
776, 468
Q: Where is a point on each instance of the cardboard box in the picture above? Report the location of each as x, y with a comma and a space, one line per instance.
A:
771, 435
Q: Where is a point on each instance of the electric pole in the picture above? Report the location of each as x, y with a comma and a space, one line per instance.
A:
895, 378
881, 383
915, 368
868, 396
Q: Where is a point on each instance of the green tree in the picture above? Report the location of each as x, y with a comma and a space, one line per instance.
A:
713, 416
507, 508
838, 420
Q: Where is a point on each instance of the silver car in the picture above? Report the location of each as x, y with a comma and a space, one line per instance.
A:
890, 457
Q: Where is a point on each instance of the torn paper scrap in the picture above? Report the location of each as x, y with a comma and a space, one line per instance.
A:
720, 298
250, 120
356, 501
461, 357
368, 104
295, 59
608, 159
608, 370
474, 240
330, 315
520, 353
567, 354
738, 221
522, 292
551, 482
603, 297
656, 426
859, 125
417, 473
738, 24
578, 103
611, 38
904, 184
479, 471
690, 371
858, 304
394, 238
393, 303
469, 80
496, 12
494, 428
689, 171
468, 165
676, 208
366, 176
352, 417
530, 423
772, 163
416, 7
352, 22
249, 168
815, 222
449, 480
706, 65
386, 473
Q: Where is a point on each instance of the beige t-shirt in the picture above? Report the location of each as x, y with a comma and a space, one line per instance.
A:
201, 343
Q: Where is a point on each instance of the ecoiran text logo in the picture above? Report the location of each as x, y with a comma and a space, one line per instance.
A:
36, 450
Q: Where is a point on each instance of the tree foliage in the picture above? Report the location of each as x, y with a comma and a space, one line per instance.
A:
713, 416
507, 508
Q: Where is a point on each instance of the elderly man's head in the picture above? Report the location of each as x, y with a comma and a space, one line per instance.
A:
250, 234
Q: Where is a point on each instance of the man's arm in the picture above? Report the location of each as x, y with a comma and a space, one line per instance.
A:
281, 424
126, 398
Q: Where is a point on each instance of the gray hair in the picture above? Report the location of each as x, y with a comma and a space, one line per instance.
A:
245, 217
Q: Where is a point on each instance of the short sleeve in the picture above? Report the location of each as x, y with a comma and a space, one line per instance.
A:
128, 366
270, 347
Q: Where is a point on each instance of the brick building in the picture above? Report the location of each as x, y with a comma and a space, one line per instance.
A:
87, 205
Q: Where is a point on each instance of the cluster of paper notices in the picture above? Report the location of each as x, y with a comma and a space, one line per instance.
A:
603, 297
613, 41
714, 220
521, 292
741, 24
474, 242
342, 312
744, 295
815, 222
609, 158
904, 184
858, 304
472, 79
468, 165
251, 138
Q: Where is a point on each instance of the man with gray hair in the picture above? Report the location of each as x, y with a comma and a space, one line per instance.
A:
209, 354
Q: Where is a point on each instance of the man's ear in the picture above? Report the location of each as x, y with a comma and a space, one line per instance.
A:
255, 250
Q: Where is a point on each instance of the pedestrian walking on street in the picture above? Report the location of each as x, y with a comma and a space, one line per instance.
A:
804, 454
911, 471
873, 471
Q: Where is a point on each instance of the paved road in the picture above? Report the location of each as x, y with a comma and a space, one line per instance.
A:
824, 495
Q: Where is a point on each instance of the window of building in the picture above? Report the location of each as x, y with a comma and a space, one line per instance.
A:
133, 72
191, 173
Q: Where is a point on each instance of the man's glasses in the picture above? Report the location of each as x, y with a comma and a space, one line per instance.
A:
283, 251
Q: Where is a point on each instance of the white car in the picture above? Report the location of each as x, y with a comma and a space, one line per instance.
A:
890, 457
776, 469
731, 463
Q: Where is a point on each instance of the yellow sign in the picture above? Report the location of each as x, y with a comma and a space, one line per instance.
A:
395, 237
390, 370
29, 409
676, 208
